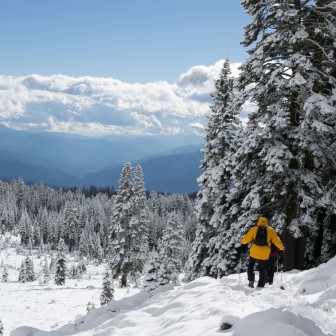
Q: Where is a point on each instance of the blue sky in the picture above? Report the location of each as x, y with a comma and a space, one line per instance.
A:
131, 40
97, 67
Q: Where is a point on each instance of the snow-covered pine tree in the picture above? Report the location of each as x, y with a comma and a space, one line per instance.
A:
19, 189
43, 224
156, 225
54, 228
223, 126
81, 267
70, 225
4, 277
72, 272
22, 272
120, 234
163, 277
150, 279
25, 227
85, 241
98, 252
6, 216
322, 29
52, 265
172, 248
90, 306
83, 244
139, 222
107, 293
46, 272
285, 147
60, 272
30, 273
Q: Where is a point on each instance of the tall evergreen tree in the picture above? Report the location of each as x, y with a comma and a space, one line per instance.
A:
128, 249
285, 147
98, 253
19, 187
121, 235
71, 226
222, 129
43, 223
322, 29
25, 227
85, 241
284, 159
139, 225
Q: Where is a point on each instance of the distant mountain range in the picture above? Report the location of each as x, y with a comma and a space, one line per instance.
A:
170, 163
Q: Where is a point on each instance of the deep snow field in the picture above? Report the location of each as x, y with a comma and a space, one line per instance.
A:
204, 307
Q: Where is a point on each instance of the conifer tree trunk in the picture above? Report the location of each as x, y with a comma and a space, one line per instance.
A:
124, 280
294, 253
289, 255
300, 248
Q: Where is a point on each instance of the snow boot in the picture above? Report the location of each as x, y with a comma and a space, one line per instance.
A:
251, 284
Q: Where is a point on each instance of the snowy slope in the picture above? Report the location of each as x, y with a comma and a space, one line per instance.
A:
307, 306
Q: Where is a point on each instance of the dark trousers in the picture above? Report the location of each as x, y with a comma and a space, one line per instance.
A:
271, 269
262, 271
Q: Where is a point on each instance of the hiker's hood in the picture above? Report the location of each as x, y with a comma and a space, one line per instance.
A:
262, 221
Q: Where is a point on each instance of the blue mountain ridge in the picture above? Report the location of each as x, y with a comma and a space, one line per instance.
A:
63, 160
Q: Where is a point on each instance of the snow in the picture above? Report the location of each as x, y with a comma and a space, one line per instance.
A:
306, 306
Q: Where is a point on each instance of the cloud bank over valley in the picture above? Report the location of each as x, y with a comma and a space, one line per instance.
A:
98, 106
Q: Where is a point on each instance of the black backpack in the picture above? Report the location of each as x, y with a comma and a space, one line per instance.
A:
261, 236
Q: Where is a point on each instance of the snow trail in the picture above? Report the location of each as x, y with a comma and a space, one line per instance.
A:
202, 306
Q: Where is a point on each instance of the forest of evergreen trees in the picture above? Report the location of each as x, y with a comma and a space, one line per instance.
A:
281, 164
122, 229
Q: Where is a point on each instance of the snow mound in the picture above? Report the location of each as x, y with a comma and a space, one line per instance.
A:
276, 323
114, 310
316, 280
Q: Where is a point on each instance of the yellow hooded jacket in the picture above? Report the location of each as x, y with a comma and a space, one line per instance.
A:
262, 252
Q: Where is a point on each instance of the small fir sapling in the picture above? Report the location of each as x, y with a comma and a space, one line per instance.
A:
1, 328
4, 274
22, 272
60, 264
90, 306
30, 272
107, 293
150, 280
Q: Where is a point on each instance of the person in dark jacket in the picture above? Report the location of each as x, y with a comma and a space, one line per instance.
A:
272, 261
258, 253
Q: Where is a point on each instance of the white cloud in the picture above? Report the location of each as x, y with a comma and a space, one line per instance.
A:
200, 78
91, 105
147, 121
198, 128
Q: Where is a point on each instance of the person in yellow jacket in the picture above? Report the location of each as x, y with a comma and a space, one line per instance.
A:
260, 253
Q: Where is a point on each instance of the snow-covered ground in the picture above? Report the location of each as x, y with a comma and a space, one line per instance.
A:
306, 306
